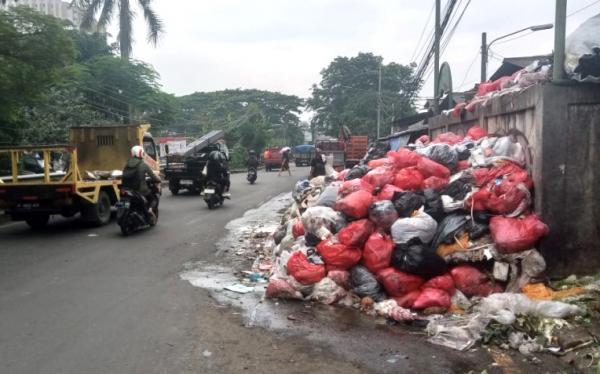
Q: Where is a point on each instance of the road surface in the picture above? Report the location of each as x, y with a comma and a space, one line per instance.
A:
75, 299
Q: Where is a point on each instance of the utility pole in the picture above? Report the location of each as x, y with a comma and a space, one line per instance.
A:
436, 58
379, 103
484, 57
393, 118
560, 20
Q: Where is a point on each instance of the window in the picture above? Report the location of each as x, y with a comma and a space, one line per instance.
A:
150, 149
105, 140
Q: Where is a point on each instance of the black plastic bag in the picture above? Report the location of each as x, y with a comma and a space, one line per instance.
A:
407, 202
434, 206
416, 258
383, 214
458, 189
364, 283
442, 154
482, 217
314, 257
356, 172
311, 240
450, 228
279, 234
477, 230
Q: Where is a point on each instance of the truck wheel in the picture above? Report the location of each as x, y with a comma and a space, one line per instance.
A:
97, 214
37, 221
174, 188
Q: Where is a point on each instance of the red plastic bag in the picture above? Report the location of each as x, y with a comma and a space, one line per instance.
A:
387, 192
356, 233
340, 277
463, 165
487, 87
434, 182
404, 158
515, 235
448, 138
377, 253
342, 174
432, 297
355, 205
298, 229
441, 282
398, 283
409, 179
472, 282
430, 168
497, 204
380, 162
304, 271
354, 185
511, 172
380, 176
423, 139
338, 256
281, 289
476, 132
407, 300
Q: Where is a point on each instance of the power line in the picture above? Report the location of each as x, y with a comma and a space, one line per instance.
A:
417, 47
462, 84
582, 9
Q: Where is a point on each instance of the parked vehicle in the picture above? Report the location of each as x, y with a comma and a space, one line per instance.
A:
336, 148
81, 177
272, 158
303, 154
356, 149
252, 175
132, 210
213, 194
184, 171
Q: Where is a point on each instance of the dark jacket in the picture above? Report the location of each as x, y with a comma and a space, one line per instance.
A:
252, 162
134, 176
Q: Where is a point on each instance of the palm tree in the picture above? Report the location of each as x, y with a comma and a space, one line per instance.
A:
126, 14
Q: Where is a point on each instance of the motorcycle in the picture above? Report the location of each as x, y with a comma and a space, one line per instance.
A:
132, 210
213, 194
252, 175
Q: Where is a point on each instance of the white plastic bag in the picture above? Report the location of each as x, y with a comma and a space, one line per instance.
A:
322, 221
421, 226
326, 291
581, 42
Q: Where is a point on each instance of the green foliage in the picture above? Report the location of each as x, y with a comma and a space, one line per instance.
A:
348, 95
35, 49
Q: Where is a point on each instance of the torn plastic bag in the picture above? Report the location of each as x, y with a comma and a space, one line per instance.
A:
430, 168
383, 214
281, 289
299, 189
390, 309
377, 252
356, 233
326, 291
338, 256
579, 44
416, 258
512, 203
442, 282
357, 172
356, 205
504, 307
476, 132
443, 154
457, 332
398, 283
407, 202
432, 297
449, 229
420, 226
322, 222
409, 179
404, 158
340, 277
365, 284
302, 270
407, 300
355, 185
472, 282
387, 192
434, 183
313, 256
448, 137
514, 234
329, 195
434, 206
380, 176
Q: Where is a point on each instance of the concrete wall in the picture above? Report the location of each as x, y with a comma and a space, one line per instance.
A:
560, 128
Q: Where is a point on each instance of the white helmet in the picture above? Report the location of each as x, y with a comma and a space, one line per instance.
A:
137, 151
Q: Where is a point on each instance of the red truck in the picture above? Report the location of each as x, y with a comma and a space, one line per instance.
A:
272, 158
345, 153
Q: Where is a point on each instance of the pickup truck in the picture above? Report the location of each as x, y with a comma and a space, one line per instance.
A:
272, 158
83, 176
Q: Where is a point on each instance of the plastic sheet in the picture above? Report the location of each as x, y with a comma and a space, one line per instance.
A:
420, 226
383, 214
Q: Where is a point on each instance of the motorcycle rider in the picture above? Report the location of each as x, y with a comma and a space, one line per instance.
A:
252, 161
217, 171
134, 178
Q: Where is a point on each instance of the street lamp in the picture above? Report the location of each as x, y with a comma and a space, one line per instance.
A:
486, 47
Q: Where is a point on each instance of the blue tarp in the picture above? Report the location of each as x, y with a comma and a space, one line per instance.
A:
304, 148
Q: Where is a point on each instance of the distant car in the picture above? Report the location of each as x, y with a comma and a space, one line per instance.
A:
272, 158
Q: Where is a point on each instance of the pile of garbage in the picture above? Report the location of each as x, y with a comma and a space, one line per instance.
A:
442, 229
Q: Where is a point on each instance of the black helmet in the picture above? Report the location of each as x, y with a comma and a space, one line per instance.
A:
215, 156
252, 152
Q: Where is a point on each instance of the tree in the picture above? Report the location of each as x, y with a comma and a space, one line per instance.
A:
348, 95
35, 51
107, 9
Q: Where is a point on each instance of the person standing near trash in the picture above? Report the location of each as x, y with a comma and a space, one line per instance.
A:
317, 164
285, 162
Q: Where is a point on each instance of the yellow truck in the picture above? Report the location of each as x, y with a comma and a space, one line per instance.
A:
83, 176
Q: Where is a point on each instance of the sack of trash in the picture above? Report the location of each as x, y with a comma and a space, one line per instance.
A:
338, 256
383, 214
415, 258
322, 222
420, 225
304, 271
377, 252
516, 234
364, 284
356, 233
355, 205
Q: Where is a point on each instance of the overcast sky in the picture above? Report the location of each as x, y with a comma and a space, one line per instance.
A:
282, 45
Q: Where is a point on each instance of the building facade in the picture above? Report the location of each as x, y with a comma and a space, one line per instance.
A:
56, 8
